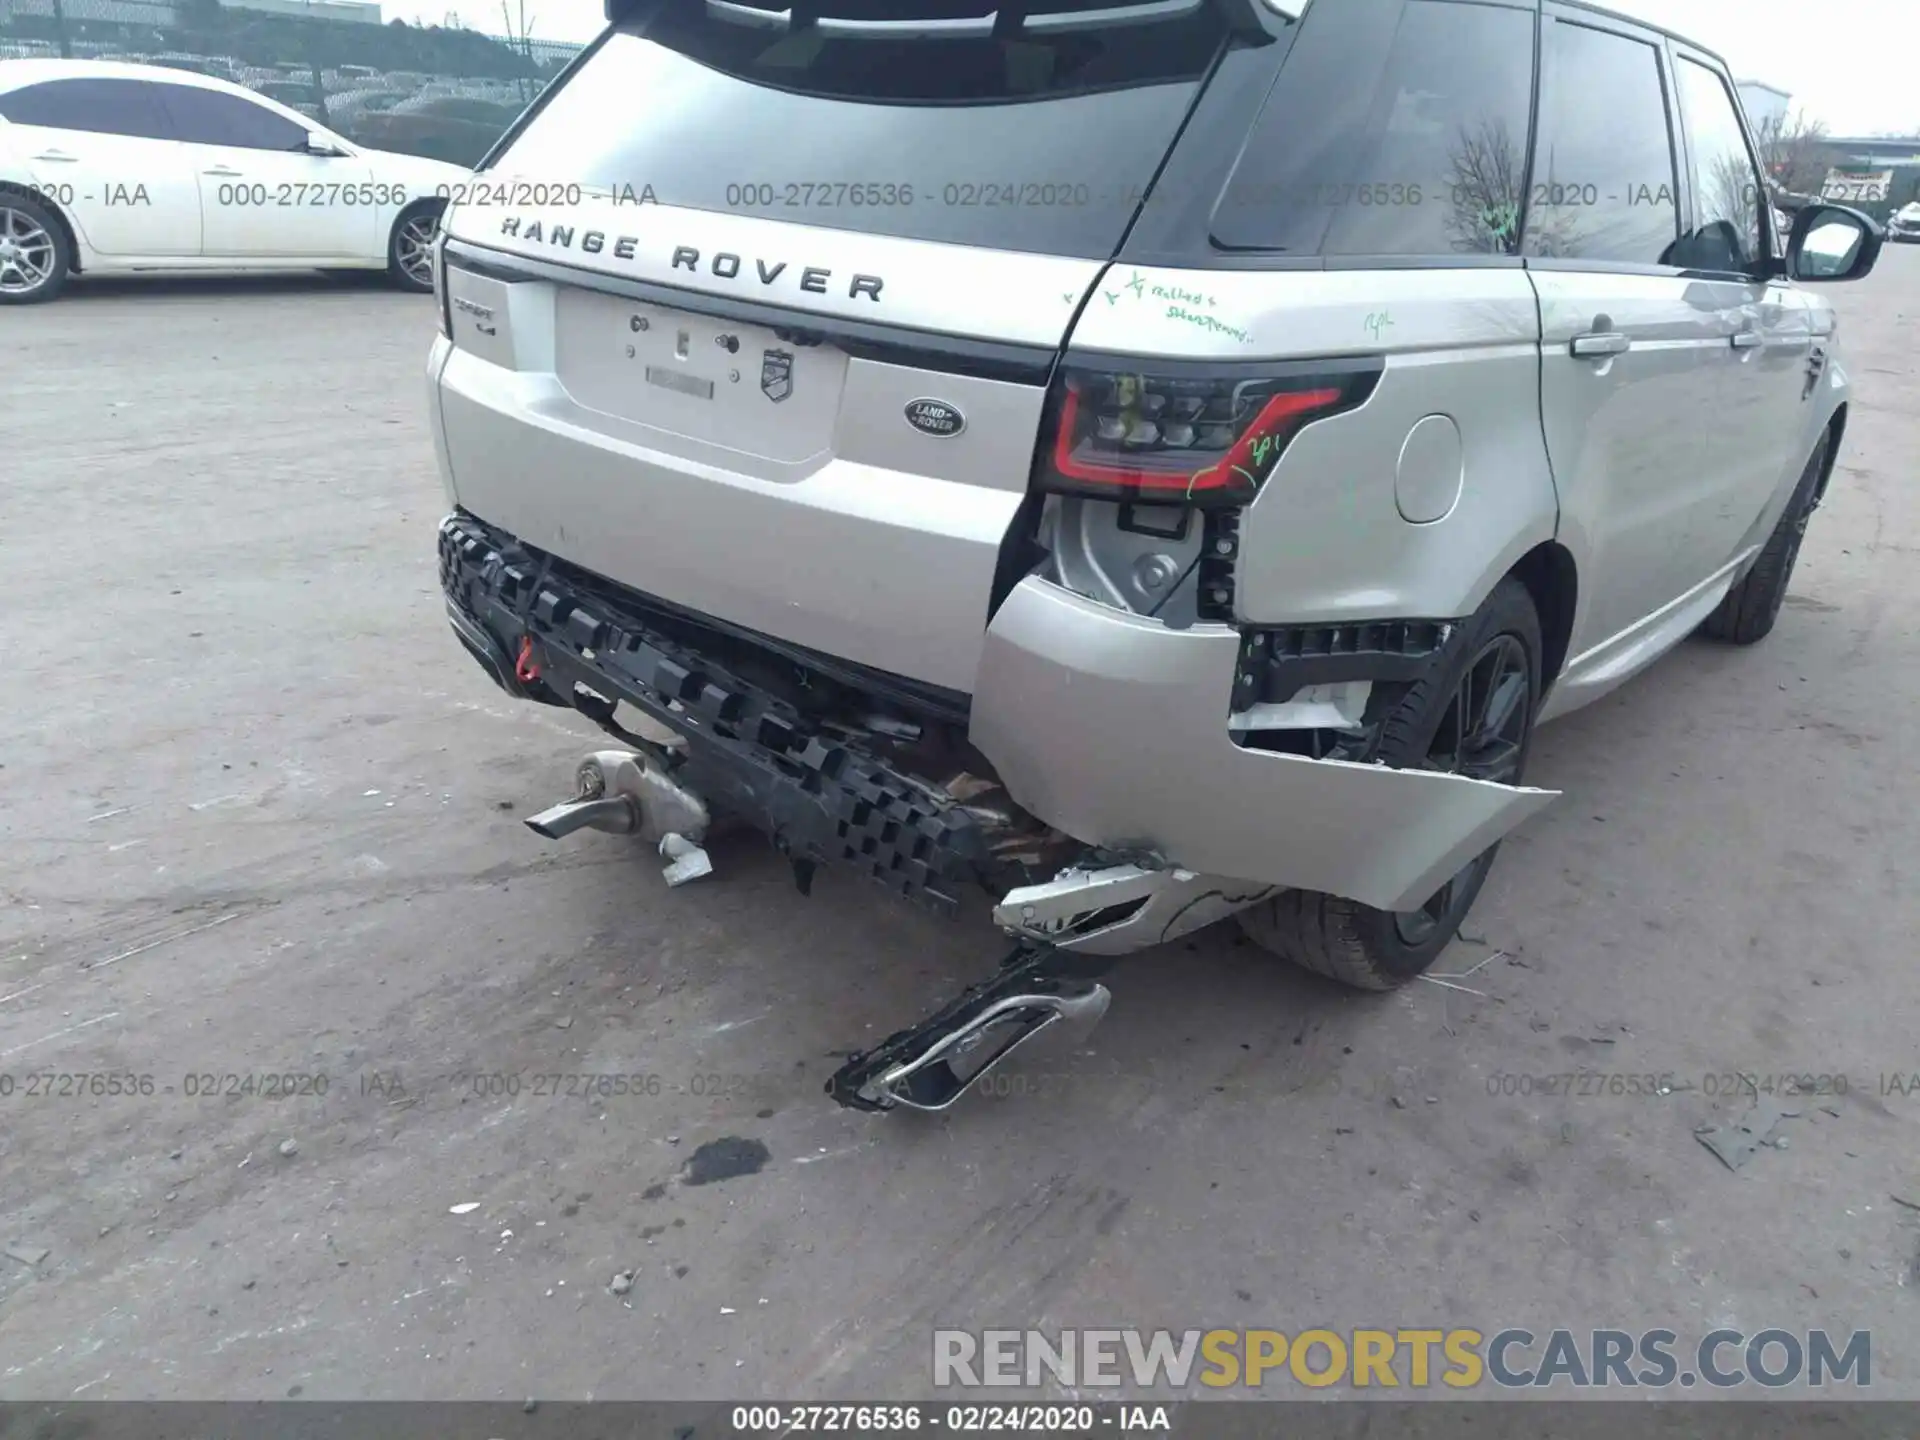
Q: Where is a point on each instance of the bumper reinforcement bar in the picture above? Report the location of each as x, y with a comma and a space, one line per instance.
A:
820, 798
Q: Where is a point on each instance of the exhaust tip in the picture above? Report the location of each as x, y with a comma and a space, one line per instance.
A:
615, 814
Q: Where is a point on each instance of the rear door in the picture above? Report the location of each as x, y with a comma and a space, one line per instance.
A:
1634, 348
755, 313
1760, 415
104, 151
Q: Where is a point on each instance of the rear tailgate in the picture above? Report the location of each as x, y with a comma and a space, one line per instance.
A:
759, 320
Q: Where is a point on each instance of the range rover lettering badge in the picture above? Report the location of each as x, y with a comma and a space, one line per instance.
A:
935, 417
776, 374
814, 279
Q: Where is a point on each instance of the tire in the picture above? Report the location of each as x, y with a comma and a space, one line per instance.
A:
1375, 949
1747, 613
402, 241
35, 256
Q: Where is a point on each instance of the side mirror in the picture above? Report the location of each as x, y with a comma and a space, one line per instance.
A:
1832, 242
318, 144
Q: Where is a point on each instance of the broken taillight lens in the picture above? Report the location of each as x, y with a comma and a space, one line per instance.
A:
1204, 441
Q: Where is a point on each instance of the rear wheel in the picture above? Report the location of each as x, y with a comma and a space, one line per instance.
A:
1747, 613
34, 257
1473, 716
410, 247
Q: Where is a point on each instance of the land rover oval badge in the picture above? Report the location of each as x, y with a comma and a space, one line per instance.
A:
935, 417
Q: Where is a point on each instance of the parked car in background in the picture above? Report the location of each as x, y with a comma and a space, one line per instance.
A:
451, 129
296, 94
1905, 224
112, 168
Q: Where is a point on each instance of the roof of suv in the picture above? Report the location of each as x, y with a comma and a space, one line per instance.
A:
1645, 24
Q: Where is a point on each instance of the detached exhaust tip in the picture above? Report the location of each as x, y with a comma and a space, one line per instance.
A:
932, 1066
615, 814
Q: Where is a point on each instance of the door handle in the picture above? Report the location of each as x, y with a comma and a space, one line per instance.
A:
58, 157
1600, 344
1748, 340
224, 173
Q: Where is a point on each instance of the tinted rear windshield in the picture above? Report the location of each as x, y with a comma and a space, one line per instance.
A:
1038, 130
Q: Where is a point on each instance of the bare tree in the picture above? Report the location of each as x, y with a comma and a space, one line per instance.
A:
1486, 192
1795, 151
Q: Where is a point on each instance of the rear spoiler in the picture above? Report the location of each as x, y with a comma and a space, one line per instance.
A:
1246, 17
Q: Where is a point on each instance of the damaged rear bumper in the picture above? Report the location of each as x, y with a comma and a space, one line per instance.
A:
1113, 728
820, 798
1105, 726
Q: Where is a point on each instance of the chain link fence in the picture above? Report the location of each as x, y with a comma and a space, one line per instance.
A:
443, 92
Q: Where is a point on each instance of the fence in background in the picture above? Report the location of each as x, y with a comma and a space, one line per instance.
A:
440, 91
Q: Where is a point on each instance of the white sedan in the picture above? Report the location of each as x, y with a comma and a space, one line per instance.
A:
1904, 226
108, 168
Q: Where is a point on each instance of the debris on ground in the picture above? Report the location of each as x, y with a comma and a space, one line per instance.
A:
621, 1283
965, 786
1897, 1199
289, 1148
465, 1207
1449, 985
27, 1252
687, 861
1462, 975
725, 1158
1739, 1142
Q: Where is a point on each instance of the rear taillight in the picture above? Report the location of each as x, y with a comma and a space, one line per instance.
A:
1203, 440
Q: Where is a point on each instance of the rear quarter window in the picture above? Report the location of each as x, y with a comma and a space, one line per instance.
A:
1397, 127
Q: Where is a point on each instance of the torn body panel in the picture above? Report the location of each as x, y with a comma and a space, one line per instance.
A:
1117, 909
1113, 728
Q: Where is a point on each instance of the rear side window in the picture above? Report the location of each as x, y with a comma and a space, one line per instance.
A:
1394, 130
1726, 232
103, 107
1042, 134
212, 117
1603, 178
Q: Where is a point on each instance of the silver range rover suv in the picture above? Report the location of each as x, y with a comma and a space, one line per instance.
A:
1155, 461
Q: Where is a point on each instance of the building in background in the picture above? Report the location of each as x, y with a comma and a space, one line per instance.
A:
355, 11
1877, 174
1766, 105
